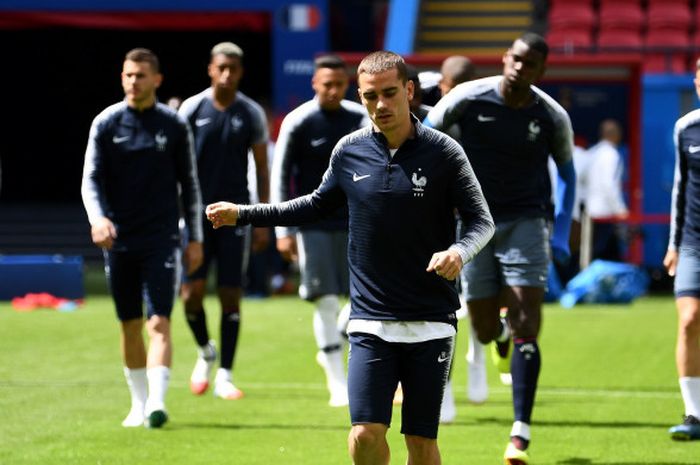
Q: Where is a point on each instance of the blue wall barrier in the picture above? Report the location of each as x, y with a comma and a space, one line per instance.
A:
61, 276
665, 99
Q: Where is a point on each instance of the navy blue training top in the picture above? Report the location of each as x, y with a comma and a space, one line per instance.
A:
139, 170
303, 150
507, 147
401, 211
222, 140
685, 206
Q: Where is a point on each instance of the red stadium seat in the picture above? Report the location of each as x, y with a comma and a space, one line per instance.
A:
665, 37
576, 15
670, 2
665, 63
619, 40
621, 16
552, 3
620, 2
669, 15
666, 50
569, 40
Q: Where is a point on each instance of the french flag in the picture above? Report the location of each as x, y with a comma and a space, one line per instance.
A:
300, 17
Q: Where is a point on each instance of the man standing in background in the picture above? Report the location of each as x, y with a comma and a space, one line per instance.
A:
604, 200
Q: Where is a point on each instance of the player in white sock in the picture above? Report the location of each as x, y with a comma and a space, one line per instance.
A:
152, 179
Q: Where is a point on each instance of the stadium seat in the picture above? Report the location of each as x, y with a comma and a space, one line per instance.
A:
620, 2
621, 16
575, 15
670, 2
619, 40
568, 40
552, 3
664, 63
666, 50
669, 15
667, 37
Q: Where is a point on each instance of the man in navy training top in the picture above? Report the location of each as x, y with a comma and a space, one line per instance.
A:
139, 169
302, 152
226, 124
401, 182
683, 261
509, 129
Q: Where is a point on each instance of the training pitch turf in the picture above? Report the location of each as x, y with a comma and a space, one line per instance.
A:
608, 393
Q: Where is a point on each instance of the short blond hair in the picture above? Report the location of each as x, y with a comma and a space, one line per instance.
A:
379, 62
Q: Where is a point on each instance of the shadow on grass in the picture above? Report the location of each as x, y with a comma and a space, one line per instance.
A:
280, 427
584, 461
579, 424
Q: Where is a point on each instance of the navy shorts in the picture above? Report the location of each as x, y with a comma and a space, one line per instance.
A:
375, 368
687, 281
228, 247
517, 255
144, 275
323, 261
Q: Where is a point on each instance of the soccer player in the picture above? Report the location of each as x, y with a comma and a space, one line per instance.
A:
302, 152
226, 124
510, 128
139, 168
401, 182
683, 261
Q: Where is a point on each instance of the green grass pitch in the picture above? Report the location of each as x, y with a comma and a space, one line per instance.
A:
608, 393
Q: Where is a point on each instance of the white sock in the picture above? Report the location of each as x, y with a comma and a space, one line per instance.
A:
325, 322
690, 390
343, 320
334, 367
475, 350
138, 386
521, 429
158, 377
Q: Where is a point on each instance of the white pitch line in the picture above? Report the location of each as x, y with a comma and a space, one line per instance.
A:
565, 392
